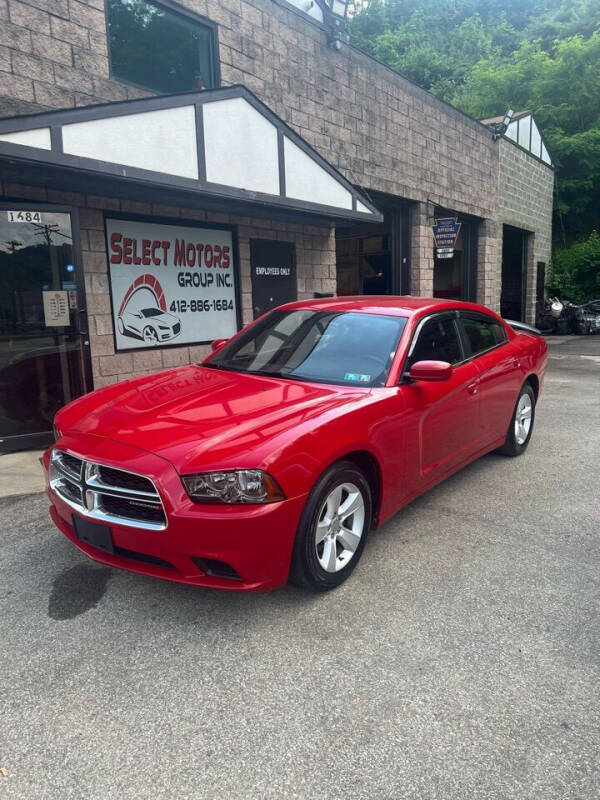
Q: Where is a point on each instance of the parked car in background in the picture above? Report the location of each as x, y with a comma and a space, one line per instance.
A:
275, 457
588, 317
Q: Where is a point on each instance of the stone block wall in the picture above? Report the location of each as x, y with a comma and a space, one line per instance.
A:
421, 248
315, 260
525, 193
488, 286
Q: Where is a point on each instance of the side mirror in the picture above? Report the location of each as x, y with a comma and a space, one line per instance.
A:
217, 344
430, 371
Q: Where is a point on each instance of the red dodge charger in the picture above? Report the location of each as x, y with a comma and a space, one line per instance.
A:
274, 458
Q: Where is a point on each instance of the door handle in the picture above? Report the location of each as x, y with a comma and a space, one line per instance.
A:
516, 362
473, 388
79, 313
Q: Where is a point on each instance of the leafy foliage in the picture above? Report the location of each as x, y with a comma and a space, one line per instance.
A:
563, 89
575, 271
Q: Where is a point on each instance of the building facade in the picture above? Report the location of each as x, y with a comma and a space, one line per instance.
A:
317, 169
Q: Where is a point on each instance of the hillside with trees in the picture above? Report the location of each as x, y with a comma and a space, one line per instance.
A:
485, 56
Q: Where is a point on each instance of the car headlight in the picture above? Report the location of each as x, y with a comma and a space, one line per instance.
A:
239, 486
164, 327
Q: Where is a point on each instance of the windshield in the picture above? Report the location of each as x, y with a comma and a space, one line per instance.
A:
348, 348
151, 312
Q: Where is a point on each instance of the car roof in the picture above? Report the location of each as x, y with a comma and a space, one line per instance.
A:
395, 305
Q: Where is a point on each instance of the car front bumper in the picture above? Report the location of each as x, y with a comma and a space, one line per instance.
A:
254, 541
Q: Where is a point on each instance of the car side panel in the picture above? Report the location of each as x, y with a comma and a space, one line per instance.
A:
375, 426
500, 378
442, 420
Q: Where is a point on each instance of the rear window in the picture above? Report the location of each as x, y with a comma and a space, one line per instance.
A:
482, 333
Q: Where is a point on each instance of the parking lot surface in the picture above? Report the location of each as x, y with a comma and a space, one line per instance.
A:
462, 659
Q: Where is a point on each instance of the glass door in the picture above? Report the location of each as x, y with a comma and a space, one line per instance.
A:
44, 353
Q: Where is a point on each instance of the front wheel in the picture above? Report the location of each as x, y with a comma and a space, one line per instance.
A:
333, 529
521, 424
150, 335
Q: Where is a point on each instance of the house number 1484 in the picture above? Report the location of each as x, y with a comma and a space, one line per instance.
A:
24, 216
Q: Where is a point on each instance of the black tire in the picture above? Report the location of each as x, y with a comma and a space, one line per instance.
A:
511, 446
306, 571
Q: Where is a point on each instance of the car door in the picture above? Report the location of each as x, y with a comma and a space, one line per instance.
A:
442, 418
485, 341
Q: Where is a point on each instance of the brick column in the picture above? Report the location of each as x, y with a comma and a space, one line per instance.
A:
530, 278
421, 251
489, 264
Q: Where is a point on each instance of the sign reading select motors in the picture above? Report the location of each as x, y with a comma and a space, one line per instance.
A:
170, 284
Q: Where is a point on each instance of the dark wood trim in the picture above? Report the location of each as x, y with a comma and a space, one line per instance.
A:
281, 160
56, 142
200, 143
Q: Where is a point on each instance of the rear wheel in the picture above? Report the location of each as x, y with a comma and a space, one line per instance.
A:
333, 529
521, 424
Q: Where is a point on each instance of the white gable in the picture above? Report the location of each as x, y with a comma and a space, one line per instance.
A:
525, 132
306, 180
38, 137
240, 146
159, 141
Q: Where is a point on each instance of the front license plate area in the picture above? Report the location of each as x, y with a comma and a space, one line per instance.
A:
94, 534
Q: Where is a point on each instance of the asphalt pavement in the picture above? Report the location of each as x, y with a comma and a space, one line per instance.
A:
462, 659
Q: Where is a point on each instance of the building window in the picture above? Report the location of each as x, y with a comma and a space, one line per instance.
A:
157, 48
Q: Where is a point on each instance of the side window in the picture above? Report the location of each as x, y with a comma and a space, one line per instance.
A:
482, 333
155, 47
438, 341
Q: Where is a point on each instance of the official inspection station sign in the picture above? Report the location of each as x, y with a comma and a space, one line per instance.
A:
170, 284
445, 233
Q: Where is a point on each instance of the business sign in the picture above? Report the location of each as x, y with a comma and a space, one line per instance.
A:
273, 272
170, 284
445, 233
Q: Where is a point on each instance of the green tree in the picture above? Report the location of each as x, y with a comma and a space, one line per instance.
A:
575, 271
563, 89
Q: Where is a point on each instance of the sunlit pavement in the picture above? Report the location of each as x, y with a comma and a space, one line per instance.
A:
21, 473
460, 661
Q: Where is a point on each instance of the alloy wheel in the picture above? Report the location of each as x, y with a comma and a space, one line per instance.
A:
523, 416
340, 526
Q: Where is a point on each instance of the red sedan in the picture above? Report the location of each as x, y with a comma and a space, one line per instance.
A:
275, 457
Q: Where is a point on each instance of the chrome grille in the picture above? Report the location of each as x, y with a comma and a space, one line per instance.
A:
106, 493
127, 480
70, 465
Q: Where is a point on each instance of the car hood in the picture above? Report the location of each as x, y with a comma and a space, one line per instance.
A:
197, 417
165, 318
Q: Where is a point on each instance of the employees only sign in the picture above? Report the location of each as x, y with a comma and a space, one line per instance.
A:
170, 284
